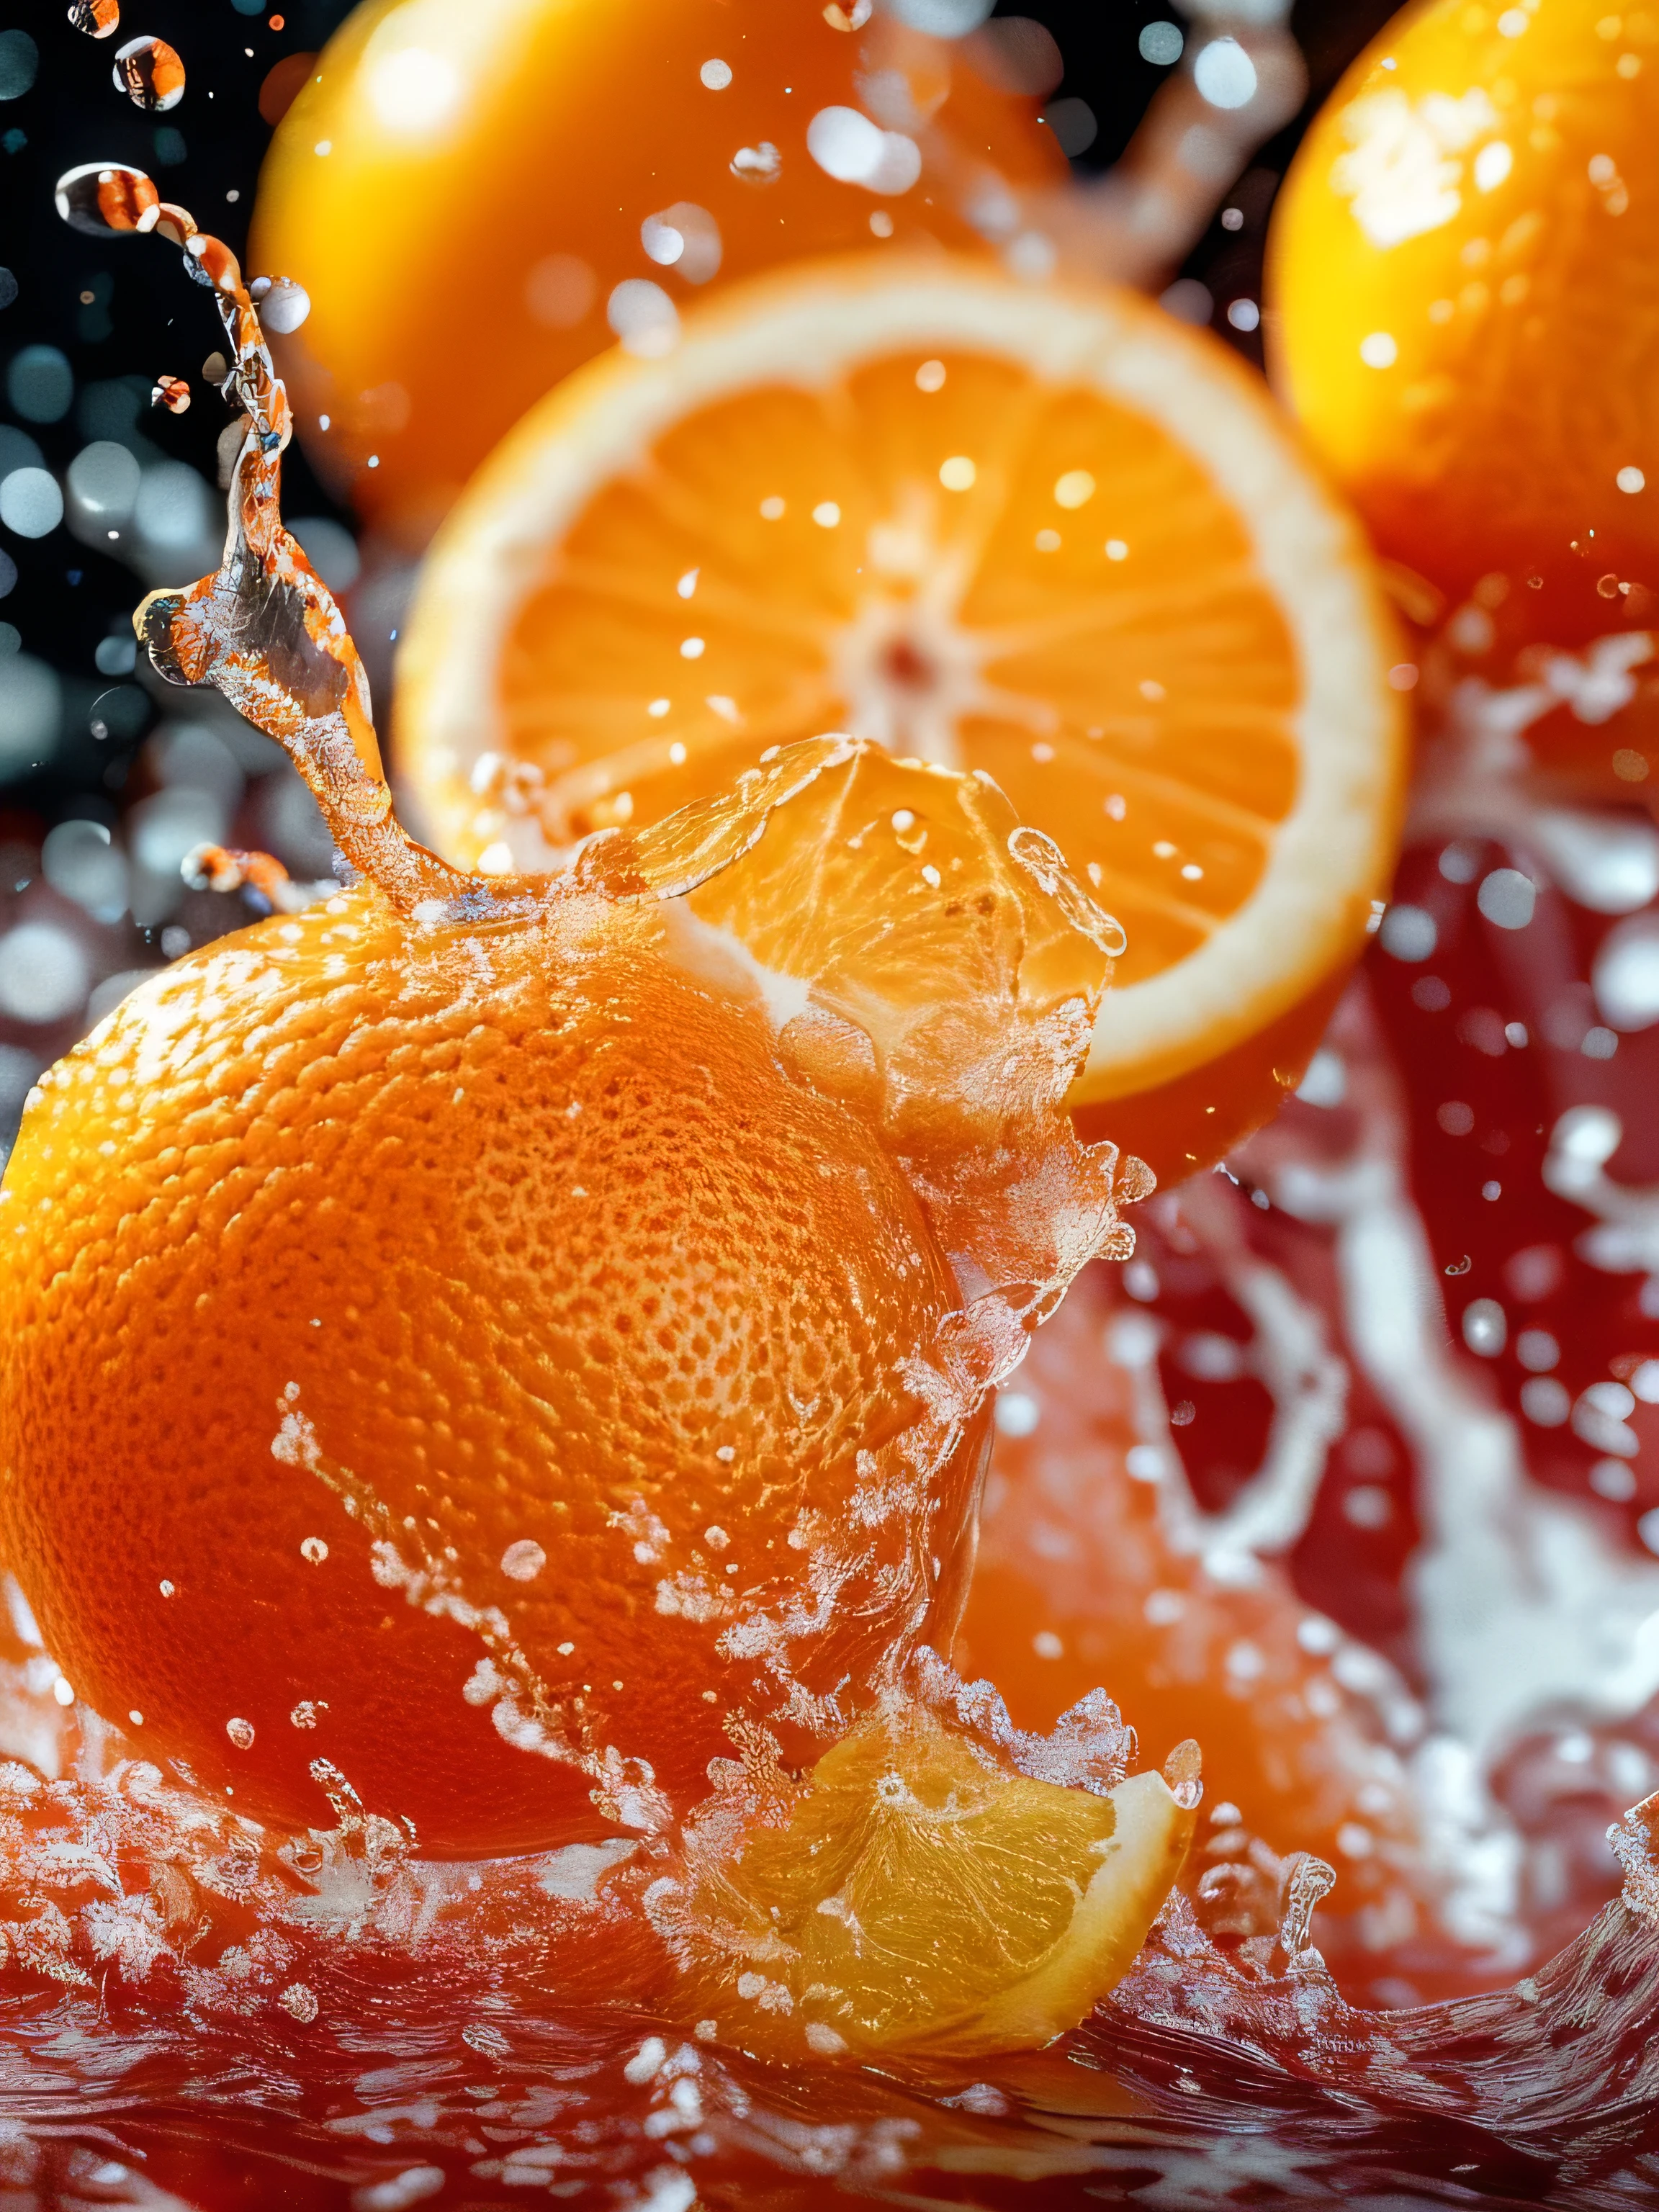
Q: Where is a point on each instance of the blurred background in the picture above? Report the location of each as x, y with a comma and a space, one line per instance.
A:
106, 780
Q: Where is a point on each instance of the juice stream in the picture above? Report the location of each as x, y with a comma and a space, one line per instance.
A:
193, 2013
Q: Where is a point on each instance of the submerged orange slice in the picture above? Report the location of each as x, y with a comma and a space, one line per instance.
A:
915, 1895
1051, 534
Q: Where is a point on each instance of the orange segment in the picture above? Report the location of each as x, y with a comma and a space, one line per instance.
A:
915, 1895
461, 185
1049, 535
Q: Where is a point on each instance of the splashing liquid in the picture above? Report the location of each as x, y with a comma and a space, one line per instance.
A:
322, 2002
150, 73
99, 18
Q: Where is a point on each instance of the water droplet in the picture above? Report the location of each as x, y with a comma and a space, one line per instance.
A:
716, 75
644, 317
149, 72
282, 304
757, 165
97, 18
240, 1733
523, 1561
104, 196
1183, 1773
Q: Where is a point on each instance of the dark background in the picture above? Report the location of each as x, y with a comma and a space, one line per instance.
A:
122, 320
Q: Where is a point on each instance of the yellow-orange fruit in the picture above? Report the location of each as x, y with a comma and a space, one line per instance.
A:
1467, 304
417, 1341
462, 185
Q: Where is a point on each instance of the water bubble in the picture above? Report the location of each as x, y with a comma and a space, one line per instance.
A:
943, 19
103, 482
20, 60
240, 1733
149, 72
171, 392
99, 18
80, 860
1162, 44
177, 523
849, 147
31, 710
282, 304
644, 317
1627, 974
523, 1561
1016, 1413
715, 75
1188, 301
757, 165
44, 976
684, 237
1506, 898
30, 503
1074, 123
1225, 75
1486, 1328
104, 196
40, 384
1409, 932
313, 1551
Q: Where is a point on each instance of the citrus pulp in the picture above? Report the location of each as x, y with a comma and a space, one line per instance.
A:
1049, 535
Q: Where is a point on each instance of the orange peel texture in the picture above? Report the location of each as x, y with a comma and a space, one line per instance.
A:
487, 1355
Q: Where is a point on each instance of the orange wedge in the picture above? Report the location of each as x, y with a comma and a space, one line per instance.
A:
1047, 534
913, 1895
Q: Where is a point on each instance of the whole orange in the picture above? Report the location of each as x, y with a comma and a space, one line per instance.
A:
462, 183
419, 1340
1465, 304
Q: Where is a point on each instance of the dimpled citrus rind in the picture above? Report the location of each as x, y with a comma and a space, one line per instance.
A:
506, 1241
1467, 313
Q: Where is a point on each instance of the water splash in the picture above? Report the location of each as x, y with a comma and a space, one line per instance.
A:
99, 18
265, 628
150, 73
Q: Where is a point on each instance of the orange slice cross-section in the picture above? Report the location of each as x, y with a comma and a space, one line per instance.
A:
1047, 534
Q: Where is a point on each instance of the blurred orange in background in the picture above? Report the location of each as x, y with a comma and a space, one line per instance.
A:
462, 185
1465, 317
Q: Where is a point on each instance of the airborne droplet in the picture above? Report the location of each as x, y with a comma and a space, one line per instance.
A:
757, 165
149, 72
97, 18
100, 197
